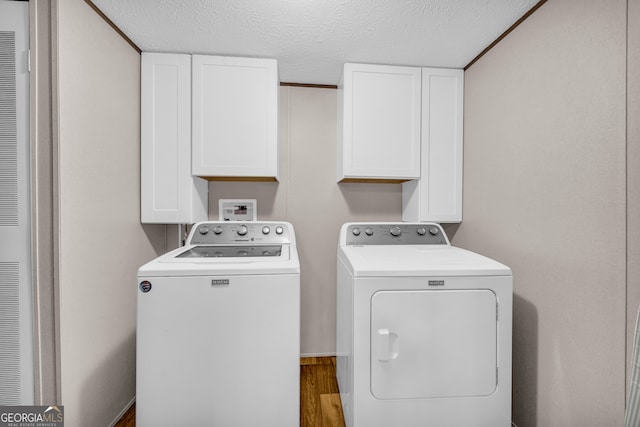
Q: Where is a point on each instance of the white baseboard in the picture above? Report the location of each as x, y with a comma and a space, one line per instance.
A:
317, 354
124, 411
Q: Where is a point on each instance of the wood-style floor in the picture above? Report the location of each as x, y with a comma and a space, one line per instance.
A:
319, 399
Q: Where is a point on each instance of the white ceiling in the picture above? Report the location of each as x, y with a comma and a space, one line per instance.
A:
311, 39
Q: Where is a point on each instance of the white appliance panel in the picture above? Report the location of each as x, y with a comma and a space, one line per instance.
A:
193, 336
398, 291
417, 260
431, 343
218, 339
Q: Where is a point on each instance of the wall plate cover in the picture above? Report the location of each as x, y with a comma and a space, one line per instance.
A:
237, 209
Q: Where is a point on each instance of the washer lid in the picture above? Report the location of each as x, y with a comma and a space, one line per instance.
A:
244, 251
215, 260
418, 260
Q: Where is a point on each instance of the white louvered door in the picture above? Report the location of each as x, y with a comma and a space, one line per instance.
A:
16, 310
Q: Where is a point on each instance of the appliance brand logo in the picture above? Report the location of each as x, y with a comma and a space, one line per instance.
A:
436, 282
145, 286
220, 282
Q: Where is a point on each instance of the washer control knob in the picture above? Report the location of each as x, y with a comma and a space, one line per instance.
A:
217, 229
356, 231
266, 230
421, 231
368, 231
395, 231
279, 230
242, 230
434, 231
203, 230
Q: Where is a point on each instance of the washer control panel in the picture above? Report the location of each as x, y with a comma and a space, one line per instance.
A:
396, 234
207, 233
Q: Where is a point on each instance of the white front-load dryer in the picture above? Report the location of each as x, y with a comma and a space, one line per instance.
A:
423, 330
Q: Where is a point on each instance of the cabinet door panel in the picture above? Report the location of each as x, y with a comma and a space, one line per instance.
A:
437, 196
169, 194
381, 122
234, 117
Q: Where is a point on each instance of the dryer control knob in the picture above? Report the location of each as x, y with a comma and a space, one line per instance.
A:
217, 229
368, 231
266, 230
434, 231
279, 230
395, 231
356, 231
421, 231
242, 230
203, 230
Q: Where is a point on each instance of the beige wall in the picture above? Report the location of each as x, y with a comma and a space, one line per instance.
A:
310, 199
544, 192
101, 241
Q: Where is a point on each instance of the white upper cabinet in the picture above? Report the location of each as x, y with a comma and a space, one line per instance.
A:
437, 195
169, 194
379, 123
235, 117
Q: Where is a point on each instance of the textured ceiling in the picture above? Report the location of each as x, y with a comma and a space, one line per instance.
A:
311, 39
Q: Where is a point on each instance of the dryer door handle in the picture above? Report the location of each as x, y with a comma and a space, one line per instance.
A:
387, 345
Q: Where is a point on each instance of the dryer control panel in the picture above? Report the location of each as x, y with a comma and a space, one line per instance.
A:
395, 234
225, 232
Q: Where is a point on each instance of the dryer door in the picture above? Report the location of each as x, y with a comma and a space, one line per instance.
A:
433, 343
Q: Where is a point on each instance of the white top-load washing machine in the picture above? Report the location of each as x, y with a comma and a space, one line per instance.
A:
218, 339
423, 330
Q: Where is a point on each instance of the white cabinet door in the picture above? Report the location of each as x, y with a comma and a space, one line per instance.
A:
437, 196
235, 117
169, 194
379, 122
